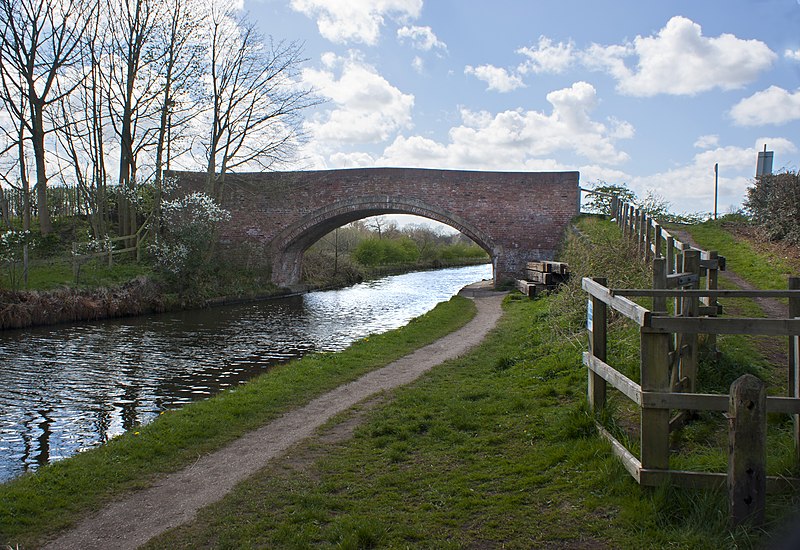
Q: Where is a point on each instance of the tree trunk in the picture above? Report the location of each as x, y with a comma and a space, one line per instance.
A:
37, 137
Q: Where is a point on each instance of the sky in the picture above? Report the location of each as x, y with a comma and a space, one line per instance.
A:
650, 94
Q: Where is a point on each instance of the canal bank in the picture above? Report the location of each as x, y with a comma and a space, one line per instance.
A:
174, 500
68, 388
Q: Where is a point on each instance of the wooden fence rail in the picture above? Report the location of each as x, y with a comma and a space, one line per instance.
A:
78, 259
669, 359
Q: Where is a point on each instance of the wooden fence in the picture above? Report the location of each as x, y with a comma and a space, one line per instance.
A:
109, 250
669, 359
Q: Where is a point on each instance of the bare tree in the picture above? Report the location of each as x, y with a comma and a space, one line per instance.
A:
255, 102
181, 71
39, 41
133, 93
14, 172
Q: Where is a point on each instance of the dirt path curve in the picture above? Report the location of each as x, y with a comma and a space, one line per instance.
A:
770, 306
175, 499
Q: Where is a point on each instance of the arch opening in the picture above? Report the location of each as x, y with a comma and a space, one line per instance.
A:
289, 246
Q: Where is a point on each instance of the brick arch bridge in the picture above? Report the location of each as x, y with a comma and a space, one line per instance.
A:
515, 216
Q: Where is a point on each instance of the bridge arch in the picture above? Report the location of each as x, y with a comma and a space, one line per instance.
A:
516, 217
289, 245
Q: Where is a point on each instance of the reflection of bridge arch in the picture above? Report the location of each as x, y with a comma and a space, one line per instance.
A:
515, 216
290, 244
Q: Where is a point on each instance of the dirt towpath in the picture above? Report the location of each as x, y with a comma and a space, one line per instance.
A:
175, 499
770, 306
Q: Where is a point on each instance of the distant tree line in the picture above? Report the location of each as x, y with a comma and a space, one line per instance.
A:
100, 97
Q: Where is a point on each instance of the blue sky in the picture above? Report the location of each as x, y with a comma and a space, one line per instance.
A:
651, 94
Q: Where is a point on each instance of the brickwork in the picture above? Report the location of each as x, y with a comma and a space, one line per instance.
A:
515, 216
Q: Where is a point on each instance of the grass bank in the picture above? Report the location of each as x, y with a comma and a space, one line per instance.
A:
495, 449
761, 268
36, 505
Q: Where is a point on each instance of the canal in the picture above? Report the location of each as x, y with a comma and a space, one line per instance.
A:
71, 387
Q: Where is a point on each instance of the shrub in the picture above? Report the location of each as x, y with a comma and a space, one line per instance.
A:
372, 252
774, 203
190, 224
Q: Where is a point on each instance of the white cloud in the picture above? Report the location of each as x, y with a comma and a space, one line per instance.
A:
792, 54
690, 188
771, 106
351, 160
344, 21
546, 57
422, 38
368, 109
497, 78
679, 60
781, 146
418, 64
707, 142
518, 140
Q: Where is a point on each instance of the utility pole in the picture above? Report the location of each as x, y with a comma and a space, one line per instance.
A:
716, 187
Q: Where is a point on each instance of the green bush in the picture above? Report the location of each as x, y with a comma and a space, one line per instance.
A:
372, 252
774, 203
459, 251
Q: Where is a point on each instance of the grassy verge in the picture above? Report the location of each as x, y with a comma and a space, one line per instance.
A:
495, 449
761, 269
58, 274
36, 505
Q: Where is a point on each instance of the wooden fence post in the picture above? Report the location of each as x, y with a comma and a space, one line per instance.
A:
25, 264
654, 427
648, 238
670, 255
712, 279
747, 458
659, 282
75, 266
658, 240
597, 324
794, 361
690, 308
613, 214
626, 208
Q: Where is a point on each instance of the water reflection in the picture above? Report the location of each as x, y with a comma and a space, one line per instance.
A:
68, 388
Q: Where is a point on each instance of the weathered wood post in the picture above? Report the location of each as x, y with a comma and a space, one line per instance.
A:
614, 213
659, 283
658, 240
626, 218
690, 308
648, 238
654, 369
596, 324
670, 255
75, 267
712, 279
747, 451
794, 361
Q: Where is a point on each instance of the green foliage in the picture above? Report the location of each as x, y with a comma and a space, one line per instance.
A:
774, 203
190, 223
373, 252
459, 251
599, 202
12, 244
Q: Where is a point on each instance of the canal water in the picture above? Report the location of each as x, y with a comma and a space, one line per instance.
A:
71, 387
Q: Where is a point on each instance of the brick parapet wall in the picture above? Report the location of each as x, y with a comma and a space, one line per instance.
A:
520, 216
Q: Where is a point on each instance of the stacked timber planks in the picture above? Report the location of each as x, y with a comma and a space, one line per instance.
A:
543, 275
